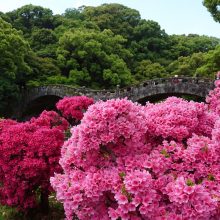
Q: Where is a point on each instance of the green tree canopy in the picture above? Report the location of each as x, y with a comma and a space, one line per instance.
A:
213, 8
94, 59
74, 14
147, 70
13, 68
211, 63
148, 41
118, 18
187, 66
44, 42
30, 16
186, 45
41, 69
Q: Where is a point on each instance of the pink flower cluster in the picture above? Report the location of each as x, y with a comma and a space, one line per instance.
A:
74, 107
29, 156
213, 99
131, 162
178, 118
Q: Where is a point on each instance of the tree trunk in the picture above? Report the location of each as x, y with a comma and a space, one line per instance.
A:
44, 202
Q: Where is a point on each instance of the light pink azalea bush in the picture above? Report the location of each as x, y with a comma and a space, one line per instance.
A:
131, 162
214, 98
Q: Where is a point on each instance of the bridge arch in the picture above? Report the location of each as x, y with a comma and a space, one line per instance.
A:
34, 107
160, 97
169, 86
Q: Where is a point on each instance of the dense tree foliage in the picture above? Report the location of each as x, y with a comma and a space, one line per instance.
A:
118, 18
198, 64
148, 70
99, 47
43, 41
182, 45
94, 59
13, 68
29, 17
213, 8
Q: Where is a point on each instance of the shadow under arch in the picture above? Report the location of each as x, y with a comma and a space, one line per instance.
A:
160, 97
38, 105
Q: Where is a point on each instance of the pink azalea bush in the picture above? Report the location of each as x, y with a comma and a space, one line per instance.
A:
213, 99
29, 156
178, 119
73, 108
131, 162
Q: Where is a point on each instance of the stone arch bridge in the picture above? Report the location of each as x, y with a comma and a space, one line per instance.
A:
145, 91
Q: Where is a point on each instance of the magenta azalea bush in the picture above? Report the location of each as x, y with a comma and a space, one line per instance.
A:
131, 162
30, 152
74, 107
